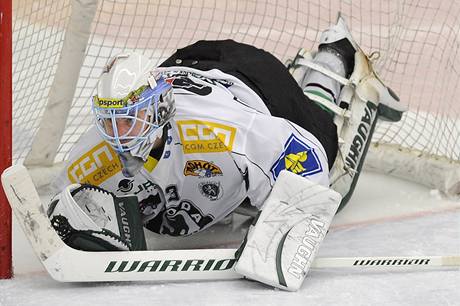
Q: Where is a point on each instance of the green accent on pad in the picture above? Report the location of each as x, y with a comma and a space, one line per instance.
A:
129, 216
279, 270
317, 93
388, 114
348, 195
320, 94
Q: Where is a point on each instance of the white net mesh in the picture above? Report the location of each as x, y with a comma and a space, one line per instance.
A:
418, 41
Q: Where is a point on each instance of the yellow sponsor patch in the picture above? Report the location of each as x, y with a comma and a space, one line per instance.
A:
205, 137
201, 168
95, 166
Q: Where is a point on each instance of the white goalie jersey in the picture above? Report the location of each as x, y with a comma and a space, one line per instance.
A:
222, 146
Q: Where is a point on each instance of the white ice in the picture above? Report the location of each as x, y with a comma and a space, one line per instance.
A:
386, 217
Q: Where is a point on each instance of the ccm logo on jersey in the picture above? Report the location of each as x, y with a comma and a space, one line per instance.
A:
297, 157
95, 166
205, 137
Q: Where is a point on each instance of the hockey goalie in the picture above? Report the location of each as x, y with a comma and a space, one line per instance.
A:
218, 124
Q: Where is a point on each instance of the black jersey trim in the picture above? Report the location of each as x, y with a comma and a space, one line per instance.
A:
248, 106
260, 168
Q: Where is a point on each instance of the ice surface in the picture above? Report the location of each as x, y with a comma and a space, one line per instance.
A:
386, 217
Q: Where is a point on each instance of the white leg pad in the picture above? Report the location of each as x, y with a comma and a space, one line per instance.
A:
293, 222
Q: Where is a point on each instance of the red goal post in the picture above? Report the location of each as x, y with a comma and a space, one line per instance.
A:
5, 133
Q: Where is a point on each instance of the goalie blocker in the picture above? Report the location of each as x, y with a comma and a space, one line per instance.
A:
294, 220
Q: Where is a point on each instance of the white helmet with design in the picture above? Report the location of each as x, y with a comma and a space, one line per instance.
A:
132, 104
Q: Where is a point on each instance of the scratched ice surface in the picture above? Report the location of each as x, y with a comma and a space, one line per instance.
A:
386, 217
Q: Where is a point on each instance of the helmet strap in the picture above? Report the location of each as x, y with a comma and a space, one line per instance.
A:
133, 160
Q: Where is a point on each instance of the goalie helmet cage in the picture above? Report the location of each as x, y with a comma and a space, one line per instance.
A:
60, 47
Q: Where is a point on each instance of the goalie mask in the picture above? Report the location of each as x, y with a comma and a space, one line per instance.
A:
132, 104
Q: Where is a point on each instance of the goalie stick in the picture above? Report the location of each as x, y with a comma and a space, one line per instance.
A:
64, 263
70, 265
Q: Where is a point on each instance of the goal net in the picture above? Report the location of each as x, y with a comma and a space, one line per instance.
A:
60, 47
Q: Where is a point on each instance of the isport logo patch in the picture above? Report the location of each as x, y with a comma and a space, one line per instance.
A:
297, 157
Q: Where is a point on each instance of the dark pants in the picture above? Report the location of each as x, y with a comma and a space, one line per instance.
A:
269, 78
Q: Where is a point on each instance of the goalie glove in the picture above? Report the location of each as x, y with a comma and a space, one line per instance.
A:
90, 218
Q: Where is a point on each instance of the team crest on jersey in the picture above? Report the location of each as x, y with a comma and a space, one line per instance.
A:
211, 190
205, 137
95, 166
201, 168
297, 157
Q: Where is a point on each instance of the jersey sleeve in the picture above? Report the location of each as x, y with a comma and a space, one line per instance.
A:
274, 144
91, 161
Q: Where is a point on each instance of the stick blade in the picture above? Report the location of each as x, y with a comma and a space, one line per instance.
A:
27, 207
